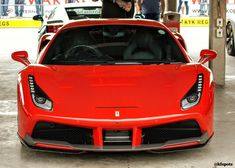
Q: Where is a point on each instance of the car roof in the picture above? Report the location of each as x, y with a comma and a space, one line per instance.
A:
131, 21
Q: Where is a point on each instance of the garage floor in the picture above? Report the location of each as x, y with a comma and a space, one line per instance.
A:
220, 149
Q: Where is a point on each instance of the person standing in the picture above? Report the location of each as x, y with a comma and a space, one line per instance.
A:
203, 5
39, 7
4, 7
152, 9
117, 8
19, 8
185, 4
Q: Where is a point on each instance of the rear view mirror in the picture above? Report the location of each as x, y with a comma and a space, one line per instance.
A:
207, 55
21, 56
38, 18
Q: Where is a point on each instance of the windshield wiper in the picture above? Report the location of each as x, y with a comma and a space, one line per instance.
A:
160, 62
99, 62
110, 62
83, 62
128, 63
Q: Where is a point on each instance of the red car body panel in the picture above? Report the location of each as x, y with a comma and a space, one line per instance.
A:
89, 96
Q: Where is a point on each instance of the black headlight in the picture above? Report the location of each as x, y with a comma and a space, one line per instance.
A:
192, 98
40, 99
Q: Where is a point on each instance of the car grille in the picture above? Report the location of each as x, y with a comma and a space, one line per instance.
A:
117, 137
172, 131
60, 132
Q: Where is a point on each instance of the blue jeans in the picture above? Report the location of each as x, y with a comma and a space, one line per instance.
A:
19, 4
186, 5
153, 16
39, 7
4, 7
203, 9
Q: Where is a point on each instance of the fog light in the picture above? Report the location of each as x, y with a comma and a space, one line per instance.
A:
40, 100
192, 98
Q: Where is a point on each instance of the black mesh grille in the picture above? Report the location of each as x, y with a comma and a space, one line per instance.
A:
173, 131
59, 132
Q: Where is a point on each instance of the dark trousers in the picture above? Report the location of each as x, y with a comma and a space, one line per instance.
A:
4, 7
39, 7
19, 4
153, 16
186, 5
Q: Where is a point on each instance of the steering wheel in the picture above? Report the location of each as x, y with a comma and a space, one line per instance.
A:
83, 52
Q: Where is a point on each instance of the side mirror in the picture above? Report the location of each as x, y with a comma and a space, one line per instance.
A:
38, 18
207, 55
21, 56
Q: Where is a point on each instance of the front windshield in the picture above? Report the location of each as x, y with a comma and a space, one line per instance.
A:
113, 44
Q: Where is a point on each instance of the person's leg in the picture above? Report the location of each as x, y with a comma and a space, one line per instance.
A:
201, 8
186, 6
208, 8
16, 7
179, 6
37, 6
21, 7
41, 7
182, 9
1, 8
3, 3
204, 8
6, 7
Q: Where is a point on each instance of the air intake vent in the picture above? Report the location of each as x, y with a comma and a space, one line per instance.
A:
117, 137
172, 131
60, 132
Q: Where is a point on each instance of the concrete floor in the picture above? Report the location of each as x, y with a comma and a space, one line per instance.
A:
220, 149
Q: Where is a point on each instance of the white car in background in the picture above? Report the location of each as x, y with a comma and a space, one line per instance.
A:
64, 13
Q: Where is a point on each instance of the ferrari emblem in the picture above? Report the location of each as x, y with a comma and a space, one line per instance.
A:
117, 114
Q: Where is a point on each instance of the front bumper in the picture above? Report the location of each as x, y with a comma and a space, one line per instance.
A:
27, 124
66, 147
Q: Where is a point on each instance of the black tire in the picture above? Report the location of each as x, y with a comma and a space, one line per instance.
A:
230, 40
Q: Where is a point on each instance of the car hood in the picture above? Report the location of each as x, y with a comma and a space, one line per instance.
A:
100, 91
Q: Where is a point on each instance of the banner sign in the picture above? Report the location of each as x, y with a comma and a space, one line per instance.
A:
18, 23
30, 7
195, 7
193, 13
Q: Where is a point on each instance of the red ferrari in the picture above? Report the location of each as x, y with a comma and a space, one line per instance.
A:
115, 85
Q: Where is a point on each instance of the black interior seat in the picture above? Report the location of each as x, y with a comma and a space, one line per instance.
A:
143, 46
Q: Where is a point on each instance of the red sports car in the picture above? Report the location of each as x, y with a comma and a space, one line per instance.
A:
114, 85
